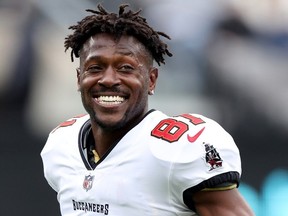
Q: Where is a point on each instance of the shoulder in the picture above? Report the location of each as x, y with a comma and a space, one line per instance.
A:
207, 141
61, 147
198, 149
73, 123
197, 142
66, 133
188, 128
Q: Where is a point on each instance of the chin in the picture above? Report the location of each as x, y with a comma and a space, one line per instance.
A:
109, 125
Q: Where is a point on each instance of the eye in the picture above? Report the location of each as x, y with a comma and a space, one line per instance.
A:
94, 68
125, 68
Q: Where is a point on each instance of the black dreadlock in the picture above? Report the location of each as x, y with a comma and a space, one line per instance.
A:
129, 23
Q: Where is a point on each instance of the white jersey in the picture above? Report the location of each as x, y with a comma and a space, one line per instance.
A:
153, 170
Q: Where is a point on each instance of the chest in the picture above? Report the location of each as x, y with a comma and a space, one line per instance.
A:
126, 182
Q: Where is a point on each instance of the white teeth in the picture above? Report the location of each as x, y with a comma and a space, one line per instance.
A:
110, 99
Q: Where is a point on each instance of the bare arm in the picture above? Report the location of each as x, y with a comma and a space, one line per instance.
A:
228, 202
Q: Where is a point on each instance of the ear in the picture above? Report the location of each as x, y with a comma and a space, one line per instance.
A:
78, 78
153, 75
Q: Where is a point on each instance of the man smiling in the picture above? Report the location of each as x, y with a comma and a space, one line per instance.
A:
123, 159
114, 79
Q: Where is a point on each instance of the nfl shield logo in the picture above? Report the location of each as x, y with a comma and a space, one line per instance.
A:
88, 182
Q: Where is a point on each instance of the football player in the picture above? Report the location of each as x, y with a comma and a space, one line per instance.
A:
123, 159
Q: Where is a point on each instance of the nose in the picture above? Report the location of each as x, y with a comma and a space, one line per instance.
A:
109, 78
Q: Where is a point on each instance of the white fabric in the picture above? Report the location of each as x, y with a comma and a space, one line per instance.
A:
142, 175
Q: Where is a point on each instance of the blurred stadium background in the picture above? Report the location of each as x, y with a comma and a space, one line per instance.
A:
230, 63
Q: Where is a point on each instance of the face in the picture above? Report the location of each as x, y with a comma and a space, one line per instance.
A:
114, 79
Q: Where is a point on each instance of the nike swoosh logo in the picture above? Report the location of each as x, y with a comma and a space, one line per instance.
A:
196, 136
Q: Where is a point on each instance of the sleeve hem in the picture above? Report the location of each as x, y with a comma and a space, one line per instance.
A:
230, 177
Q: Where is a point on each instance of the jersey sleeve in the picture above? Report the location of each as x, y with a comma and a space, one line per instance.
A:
61, 148
48, 156
211, 160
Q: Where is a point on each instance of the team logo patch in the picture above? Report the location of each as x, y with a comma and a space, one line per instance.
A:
88, 182
212, 157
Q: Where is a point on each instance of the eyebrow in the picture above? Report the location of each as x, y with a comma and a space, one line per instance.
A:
94, 57
125, 52
100, 58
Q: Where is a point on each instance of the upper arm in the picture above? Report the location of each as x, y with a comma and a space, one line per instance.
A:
227, 202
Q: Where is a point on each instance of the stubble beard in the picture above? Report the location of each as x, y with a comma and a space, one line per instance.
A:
108, 126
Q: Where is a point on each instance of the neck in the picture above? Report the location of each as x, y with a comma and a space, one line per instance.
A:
105, 139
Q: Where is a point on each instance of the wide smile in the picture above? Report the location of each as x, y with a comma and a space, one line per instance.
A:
105, 100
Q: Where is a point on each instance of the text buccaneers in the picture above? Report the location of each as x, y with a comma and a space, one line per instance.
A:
90, 207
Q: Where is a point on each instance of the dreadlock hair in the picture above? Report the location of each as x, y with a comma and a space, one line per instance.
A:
125, 23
